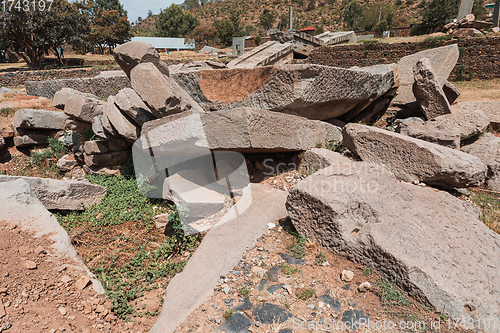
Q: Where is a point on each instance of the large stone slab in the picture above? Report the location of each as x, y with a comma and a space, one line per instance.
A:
132, 53
161, 93
311, 91
122, 124
412, 159
442, 59
269, 53
109, 159
22, 208
98, 86
448, 130
428, 90
427, 242
30, 139
132, 105
84, 107
487, 148
39, 119
490, 108
220, 250
199, 200
62, 96
244, 129
62, 194
319, 158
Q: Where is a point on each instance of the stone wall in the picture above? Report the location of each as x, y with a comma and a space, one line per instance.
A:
479, 57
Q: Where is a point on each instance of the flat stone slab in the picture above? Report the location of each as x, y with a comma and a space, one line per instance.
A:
448, 130
130, 54
21, 207
236, 324
245, 130
62, 194
220, 250
266, 54
487, 148
490, 108
412, 159
426, 241
39, 119
99, 86
311, 91
268, 313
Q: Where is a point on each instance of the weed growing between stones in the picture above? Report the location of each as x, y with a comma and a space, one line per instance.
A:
489, 203
228, 314
304, 294
49, 155
367, 272
320, 258
5, 112
390, 294
118, 242
289, 269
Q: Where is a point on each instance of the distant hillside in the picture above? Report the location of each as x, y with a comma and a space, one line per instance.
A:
328, 14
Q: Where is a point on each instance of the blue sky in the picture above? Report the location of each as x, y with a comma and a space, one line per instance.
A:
136, 8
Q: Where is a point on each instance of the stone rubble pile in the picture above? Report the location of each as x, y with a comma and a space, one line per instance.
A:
379, 210
467, 27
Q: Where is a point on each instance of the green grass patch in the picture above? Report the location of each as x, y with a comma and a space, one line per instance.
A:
289, 269
49, 155
5, 112
320, 258
298, 247
305, 294
228, 314
243, 291
130, 263
367, 272
489, 203
123, 203
390, 294
431, 39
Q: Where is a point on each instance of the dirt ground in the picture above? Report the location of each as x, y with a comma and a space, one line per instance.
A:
40, 293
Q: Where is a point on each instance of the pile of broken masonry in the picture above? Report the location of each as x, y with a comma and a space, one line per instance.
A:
380, 209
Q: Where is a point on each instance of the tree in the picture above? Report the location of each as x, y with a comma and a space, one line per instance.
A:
353, 14
439, 12
174, 22
109, 28
267, 19
224, 31
234, 17
204, 34
32, 33
190, 4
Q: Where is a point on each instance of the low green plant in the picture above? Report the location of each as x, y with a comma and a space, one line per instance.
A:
289, 269
228, 314
54, 151
390, 294
305, 294
367, 272
243, 291
5, 112
320, 258
298, 247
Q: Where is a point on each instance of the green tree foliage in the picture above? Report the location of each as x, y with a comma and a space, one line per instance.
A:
31, 33
190, 4
225, 31
267, 19
439, 12
234, 17
478, 9
366, 17
204, 34
175, 22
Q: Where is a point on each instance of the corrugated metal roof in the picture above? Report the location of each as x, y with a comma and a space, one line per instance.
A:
308, 29
166, 43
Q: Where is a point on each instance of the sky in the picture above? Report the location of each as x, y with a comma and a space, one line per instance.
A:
136, 8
